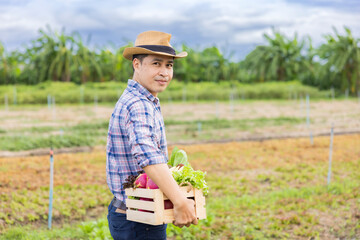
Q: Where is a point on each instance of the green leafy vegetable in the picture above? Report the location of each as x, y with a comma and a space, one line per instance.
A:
184, 174
172, 158
178, 157
187, 175
181, 158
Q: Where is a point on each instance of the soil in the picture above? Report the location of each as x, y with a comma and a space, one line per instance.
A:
344, 115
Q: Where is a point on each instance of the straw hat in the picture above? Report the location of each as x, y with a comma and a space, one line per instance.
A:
152, 42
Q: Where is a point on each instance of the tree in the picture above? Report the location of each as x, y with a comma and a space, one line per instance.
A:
9, 66
342, 60
206, 65
86, 67
49, 57
281, 60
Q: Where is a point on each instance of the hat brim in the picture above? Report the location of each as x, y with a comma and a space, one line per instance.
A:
130, 51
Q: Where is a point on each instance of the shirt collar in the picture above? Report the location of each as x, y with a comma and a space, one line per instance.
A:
142, 90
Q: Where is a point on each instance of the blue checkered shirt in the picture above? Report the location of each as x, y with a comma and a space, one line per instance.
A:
136, 136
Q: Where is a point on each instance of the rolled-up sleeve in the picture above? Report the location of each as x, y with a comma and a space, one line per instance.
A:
145, 147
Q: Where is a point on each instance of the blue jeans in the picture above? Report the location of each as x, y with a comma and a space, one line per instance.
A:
122, 229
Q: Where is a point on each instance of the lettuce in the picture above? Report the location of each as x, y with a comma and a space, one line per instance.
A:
178, 157
186, 174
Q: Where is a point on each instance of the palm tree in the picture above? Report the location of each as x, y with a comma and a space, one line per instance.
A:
59, 68
85, 64
51, 56
206, 65
187, 70
342, 56
3, 65
9, 66
114, 66
282, 59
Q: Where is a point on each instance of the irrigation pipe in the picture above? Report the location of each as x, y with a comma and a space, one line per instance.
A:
51, 187
330, 153
308, 118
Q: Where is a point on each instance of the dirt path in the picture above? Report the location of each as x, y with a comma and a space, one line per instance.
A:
343, 114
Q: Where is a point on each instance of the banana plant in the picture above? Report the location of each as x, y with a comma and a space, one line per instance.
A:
9, 66
341, 54
281, 59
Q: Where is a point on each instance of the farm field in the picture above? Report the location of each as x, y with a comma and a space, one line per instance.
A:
274, 189
28, 127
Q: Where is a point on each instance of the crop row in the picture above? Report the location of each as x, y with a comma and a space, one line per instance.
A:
94, 134
258, 190
177, 91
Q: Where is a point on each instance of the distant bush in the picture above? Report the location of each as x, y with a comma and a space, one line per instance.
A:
178, 91
209, 91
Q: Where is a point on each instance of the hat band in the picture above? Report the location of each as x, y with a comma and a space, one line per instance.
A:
159, 48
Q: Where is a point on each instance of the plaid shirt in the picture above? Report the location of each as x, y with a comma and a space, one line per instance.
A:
136, 136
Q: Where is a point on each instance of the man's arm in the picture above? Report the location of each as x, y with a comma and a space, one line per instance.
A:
145, 150
184, 209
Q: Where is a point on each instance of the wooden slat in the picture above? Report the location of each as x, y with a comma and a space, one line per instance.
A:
143, 217
140, 204
200, 204
159, 207
169, 216
160, 215
141, 192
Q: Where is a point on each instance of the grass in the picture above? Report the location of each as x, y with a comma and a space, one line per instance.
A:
242, 124
83, 134
90, 230
177, 91
258, 190
94, 134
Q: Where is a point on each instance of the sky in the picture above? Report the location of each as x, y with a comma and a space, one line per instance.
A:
236, 27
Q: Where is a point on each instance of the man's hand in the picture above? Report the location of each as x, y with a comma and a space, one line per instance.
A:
185, 214
184, 209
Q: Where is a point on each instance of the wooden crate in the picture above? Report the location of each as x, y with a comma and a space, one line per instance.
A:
159, 215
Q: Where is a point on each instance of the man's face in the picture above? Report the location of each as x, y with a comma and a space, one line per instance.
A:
154, 72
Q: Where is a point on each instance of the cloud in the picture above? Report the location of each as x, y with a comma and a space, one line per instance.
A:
230, 24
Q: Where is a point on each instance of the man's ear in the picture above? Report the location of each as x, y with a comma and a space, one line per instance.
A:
136, 63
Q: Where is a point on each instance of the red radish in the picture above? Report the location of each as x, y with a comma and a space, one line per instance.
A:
141, 181
168, 204
151, 185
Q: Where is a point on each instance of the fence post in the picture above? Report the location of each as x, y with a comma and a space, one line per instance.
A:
15, 96
347, 93
332, 93
308, 118
51, 187
6, 102
49, 99
184, 94
199, 127
231, 98
330, 153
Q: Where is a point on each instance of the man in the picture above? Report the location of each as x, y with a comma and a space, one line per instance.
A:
136, 137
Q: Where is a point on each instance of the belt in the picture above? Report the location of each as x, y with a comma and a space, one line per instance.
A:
120, 205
